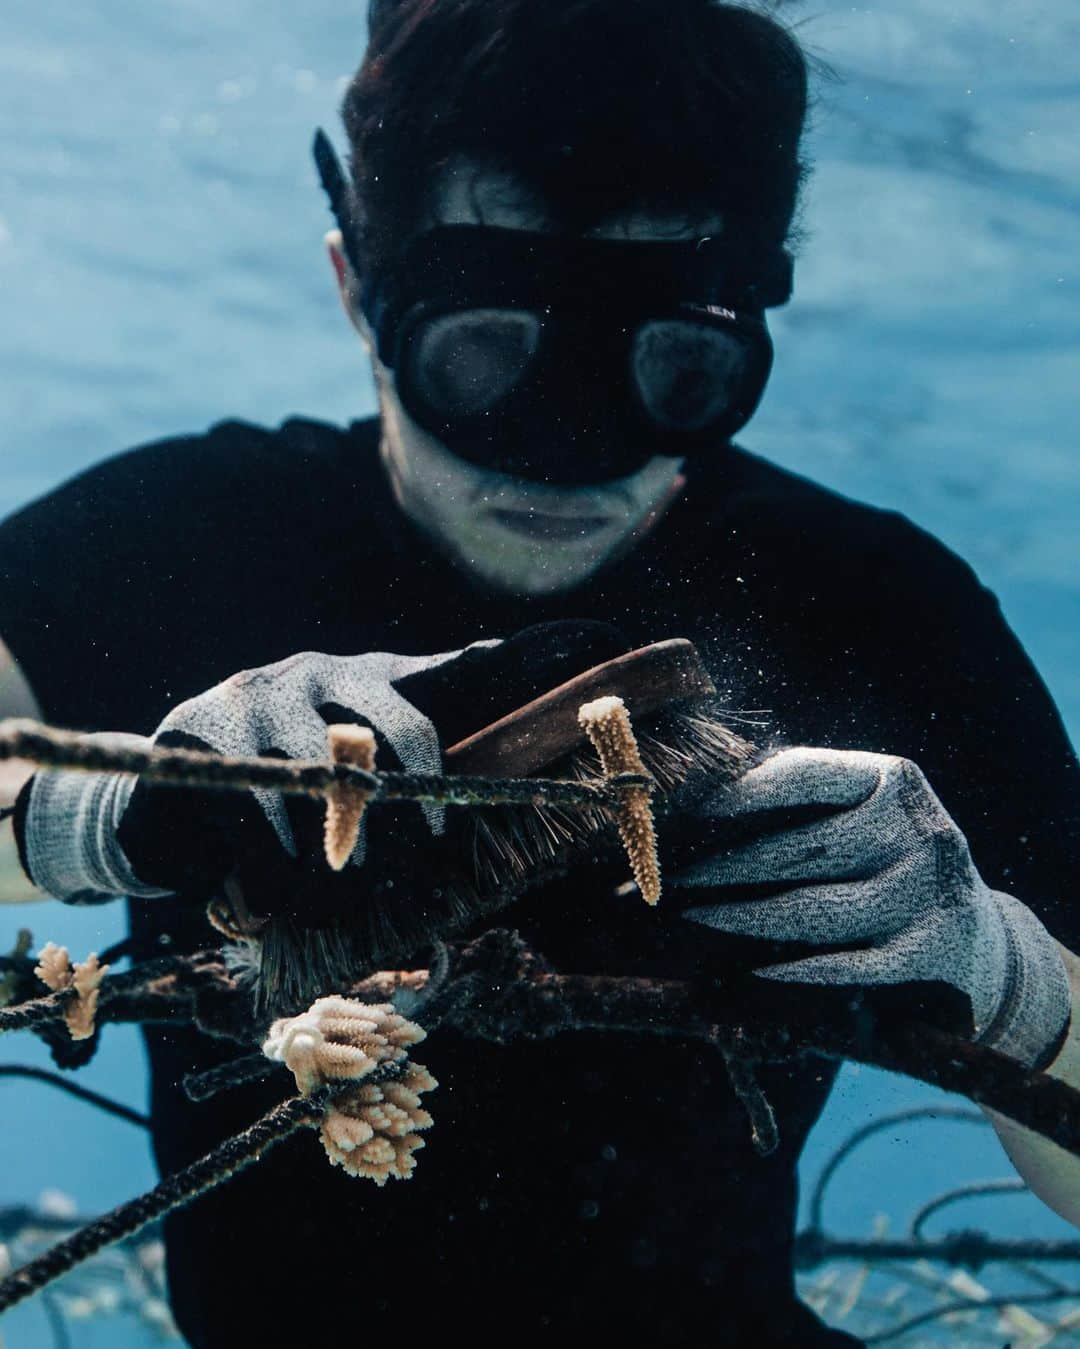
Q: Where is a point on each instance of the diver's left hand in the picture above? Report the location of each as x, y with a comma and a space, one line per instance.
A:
883, 870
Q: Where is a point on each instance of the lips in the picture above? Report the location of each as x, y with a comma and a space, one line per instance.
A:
537, 525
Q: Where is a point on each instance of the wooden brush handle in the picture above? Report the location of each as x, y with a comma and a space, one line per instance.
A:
522, 742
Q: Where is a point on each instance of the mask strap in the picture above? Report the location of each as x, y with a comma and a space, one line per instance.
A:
337, 188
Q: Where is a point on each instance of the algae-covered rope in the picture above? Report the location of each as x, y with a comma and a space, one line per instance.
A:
235, 1073
164, 988
49, 747
199, 989
524, 998
218, 1166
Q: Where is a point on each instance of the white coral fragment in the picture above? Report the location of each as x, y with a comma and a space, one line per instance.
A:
339, 1040
371, 1129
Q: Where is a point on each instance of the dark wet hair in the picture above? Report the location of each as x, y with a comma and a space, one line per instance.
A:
598, 105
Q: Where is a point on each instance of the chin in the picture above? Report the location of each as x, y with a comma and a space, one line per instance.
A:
526, 575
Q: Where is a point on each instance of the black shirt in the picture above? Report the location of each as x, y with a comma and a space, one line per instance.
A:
590, 1184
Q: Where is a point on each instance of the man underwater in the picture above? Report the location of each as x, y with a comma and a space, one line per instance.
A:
564, 230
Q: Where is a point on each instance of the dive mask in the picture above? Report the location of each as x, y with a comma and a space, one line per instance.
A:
564, 359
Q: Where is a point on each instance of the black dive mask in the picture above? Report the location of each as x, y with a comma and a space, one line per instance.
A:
570, 360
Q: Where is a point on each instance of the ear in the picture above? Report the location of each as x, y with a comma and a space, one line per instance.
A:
347, 284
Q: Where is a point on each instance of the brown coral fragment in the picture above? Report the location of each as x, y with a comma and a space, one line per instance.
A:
607, 724
373, 1130
86, 980
345, 802
54, 969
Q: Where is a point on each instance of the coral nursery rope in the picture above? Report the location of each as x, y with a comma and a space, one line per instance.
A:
236, 1073
519, 996
94, 1098
219, 1165
45, 745
154, 986
531, 1000
37, 1013
350, 782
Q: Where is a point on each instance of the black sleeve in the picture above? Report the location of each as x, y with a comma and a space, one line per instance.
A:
980, 723
91, 573
1023, 813
874, 635
143, 580
68, 561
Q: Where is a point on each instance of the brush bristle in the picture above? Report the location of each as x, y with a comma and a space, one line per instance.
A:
492, 856
679, 750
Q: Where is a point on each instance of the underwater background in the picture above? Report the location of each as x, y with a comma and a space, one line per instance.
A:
162, 267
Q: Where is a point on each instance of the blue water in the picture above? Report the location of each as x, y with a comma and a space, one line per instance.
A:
161, 266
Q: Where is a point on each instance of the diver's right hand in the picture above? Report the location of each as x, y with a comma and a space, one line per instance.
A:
95, 836
85, 837
269, 841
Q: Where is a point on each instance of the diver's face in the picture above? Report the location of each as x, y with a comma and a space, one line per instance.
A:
516, 534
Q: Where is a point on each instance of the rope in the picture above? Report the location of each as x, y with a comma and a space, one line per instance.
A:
52, 748
219, 1165
39, 1013
36, 1013
105, 1103
117, 951
856, 1139
967, 1305
764, 1134
972, 1249
976, 1190
533, 1001
235, 1073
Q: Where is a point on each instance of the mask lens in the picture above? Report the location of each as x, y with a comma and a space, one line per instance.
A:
688, 374
464, 364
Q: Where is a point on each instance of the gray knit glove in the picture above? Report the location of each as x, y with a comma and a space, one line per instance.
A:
66, 826
886, 869
93, 836
285, 708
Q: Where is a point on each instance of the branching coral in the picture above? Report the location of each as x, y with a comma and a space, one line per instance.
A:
371, 1130
345, 802
339, 1040
374, 1130
607, 724
55, 970
349, 1057
54, 967
531, 1001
